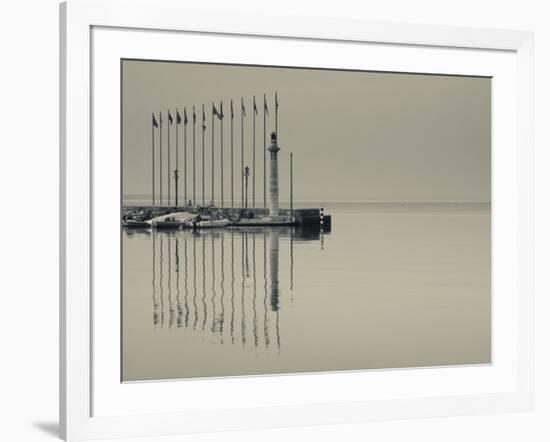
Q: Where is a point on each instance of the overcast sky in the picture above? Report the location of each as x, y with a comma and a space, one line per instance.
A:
356, 136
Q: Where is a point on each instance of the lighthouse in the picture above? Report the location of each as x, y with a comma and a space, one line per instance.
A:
273, 176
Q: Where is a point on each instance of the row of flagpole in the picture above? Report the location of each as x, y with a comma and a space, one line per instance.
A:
179, 120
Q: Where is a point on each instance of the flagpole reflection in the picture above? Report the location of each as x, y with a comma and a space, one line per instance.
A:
222, 289
255, 318
213, 294
178, 294
247, 269
170, 303
186, 284
155, 302
204, 307
243, 314
232, 327
213, 328
196, 313
161, 283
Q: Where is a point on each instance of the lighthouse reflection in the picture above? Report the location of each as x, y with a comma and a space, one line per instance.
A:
224, 284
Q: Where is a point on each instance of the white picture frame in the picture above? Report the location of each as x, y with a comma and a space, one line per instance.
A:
80, 380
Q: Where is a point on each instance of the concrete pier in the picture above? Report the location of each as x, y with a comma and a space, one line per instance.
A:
307, 218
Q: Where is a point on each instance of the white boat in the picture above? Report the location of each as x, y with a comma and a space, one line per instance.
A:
265, 221
210, 223
207, 222
173, 220
135, 224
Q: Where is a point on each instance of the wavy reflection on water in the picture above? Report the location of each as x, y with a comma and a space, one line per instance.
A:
222, 284
243, 277
210, 307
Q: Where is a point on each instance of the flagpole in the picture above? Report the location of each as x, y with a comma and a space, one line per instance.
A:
212, 132
232, 201
254, 151
185, 154
160, 156
242, 153
194, 170
176, 176
265, 147
221, 152
203, 129
168, 177
153, 160
291, 189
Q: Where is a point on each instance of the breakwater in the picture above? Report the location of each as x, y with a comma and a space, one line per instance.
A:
310, 218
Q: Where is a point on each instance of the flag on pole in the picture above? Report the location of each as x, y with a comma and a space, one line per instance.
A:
160, 119
203, 118
221, 111
255, 108
178, 117
155, 123
185, 120
265, 105
231, 108
276, 101
243, 110
215, 112
194, 116
170, 120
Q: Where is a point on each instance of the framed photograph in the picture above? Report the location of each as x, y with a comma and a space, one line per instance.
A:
296, 219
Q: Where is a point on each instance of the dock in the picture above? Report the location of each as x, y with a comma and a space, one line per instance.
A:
305, 218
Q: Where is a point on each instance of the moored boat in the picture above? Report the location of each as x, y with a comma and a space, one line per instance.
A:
135, 224
175, 220
211, 223
207, 222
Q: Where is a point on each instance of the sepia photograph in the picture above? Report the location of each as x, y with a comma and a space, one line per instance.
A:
282, 220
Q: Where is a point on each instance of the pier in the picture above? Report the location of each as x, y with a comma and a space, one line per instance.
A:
305, 218
191, 215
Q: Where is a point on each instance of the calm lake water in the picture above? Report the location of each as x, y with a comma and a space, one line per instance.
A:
390, 286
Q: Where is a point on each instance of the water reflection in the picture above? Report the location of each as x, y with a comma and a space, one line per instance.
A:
253, 301
178, 293
161, 282
170, 303
196, 315
403, 304
154, 280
